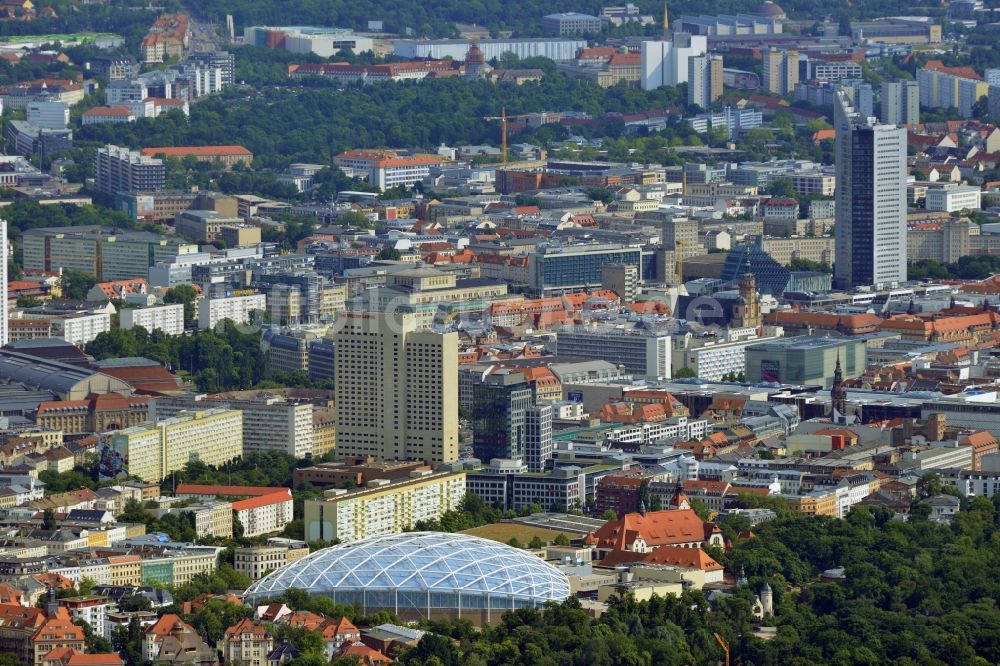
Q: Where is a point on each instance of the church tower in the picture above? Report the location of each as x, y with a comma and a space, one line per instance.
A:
748, 310
838, 395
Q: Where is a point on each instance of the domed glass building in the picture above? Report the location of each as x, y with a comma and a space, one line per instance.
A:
422, 575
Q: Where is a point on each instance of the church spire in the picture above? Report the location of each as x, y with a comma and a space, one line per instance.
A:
838, 395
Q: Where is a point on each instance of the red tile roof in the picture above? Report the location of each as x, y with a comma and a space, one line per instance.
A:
657, 528
688, 558
965, 72
197, 151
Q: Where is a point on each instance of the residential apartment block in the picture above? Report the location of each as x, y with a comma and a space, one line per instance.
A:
119, 169
382, 506
270, 422
238, 308
152, 451
167, 318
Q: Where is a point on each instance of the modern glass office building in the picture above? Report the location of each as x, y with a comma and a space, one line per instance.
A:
771, 277
422, 575
557, 269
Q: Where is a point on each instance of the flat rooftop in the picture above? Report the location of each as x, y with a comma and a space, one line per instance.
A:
562, 521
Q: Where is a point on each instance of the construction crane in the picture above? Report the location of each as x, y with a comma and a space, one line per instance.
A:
725, 646
503, 118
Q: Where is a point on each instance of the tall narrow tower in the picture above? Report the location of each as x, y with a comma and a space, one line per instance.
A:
871, 200
838, 395
666, 19
4, 314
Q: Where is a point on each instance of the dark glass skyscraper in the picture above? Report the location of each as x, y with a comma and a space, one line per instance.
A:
498, 415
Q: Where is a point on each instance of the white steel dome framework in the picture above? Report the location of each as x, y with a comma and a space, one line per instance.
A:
422, 575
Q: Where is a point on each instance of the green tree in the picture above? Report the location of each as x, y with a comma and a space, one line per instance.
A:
356, 220
390, 254
186, 294
28, 302
75, 284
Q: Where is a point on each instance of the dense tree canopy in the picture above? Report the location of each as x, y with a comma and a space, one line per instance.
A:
966, 268
217, 360
916, 593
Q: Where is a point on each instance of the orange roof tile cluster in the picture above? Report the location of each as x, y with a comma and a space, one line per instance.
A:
965, 72
198, 151
148, 379
235, 633
381, 159
990, 285
656, 528
16, 616
71, 657
108, 112
596, 52
678, 556
854, 324
337, 629
97, 402
166, 624
365, 655
257, 496
11, 595
942, 322
122, 288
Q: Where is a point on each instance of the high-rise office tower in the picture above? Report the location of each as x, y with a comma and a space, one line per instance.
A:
499, 403
871, 199
781, 70
508, 423
4, 314
397, 388
704, 80
900, 103
538, 445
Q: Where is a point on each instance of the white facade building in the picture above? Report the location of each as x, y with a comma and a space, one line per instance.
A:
265, 514
665, 63
168, 318
900, 103
81, 329
211, 311
952, 199
437, 49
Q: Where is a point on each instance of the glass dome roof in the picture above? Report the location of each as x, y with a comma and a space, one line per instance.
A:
447, 566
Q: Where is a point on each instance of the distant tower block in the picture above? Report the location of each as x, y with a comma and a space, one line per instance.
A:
4, 314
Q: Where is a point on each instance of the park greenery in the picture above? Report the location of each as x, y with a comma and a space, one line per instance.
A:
215, 360
966, 268
915, 593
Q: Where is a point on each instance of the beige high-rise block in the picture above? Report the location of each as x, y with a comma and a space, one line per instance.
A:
396, 388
